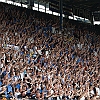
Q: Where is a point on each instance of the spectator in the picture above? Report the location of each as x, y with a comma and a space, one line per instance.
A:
37, 62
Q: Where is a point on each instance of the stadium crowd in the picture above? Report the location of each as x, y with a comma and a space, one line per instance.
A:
39, 63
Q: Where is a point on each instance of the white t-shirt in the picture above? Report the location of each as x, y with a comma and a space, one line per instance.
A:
49, 76
25, 47
83, 98
1, 65
80, 46
15, 33
92, 92
16, 78
35, 50
98, 91
31, 50
53, 29
16, 94
22, 75
16, 47
40, 52
47, 54
95, 53
52, 91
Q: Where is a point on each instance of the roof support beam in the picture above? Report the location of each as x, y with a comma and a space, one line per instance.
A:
61, 12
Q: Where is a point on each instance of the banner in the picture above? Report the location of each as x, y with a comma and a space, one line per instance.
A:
67, 10
54, 6
96, 16
82, 13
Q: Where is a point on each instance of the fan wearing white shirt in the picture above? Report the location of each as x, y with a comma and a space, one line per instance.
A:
17, 93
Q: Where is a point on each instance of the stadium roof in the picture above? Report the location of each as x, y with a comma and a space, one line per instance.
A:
89, 9
92, 5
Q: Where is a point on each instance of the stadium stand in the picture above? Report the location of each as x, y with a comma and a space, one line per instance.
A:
39, 63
